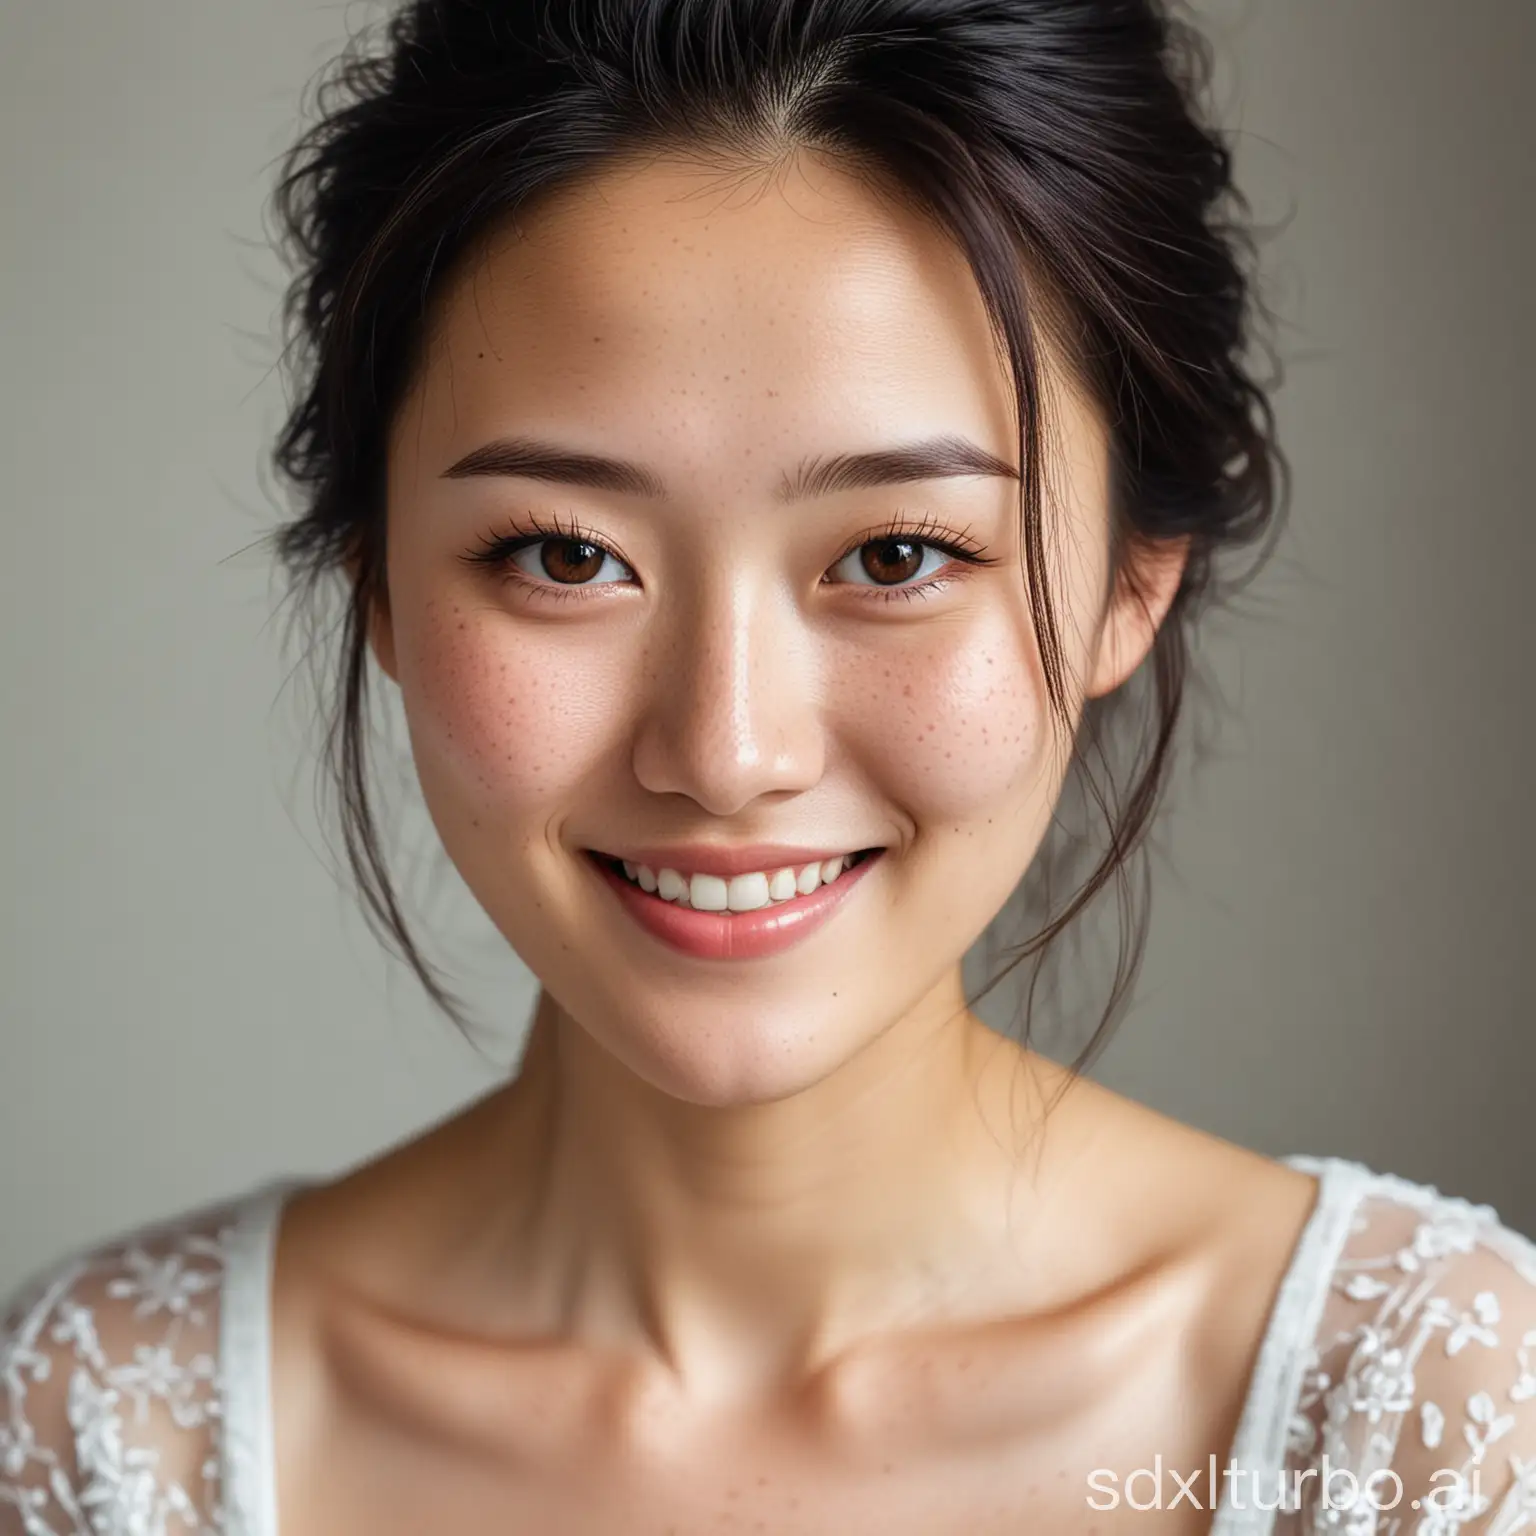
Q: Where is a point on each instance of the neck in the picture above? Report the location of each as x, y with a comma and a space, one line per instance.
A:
752, 1243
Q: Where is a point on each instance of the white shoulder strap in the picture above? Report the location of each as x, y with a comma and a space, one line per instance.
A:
245, 1348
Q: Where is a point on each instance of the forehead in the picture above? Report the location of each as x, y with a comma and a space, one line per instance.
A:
734, 318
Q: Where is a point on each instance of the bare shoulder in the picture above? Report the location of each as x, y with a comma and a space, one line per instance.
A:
1182, 1191
1219, 1224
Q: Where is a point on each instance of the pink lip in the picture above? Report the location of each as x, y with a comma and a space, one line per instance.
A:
733, 935
703, 859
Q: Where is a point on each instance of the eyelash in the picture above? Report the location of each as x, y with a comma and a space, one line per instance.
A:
495, 552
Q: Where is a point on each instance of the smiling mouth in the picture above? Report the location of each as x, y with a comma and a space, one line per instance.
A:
757, 891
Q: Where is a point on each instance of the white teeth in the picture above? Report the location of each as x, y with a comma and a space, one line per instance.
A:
707, 893
742, 893
746, 893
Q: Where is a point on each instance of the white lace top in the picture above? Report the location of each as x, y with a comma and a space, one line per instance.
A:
1399, 1360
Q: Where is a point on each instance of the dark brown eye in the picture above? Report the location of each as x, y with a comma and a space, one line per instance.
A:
557, 560
891, 560
571, 561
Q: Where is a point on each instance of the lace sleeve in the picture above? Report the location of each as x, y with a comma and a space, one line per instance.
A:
1422, 1384
109, 1391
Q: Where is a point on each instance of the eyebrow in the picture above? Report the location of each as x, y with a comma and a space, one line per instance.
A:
932, 458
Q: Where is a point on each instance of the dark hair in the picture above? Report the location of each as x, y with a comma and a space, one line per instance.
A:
1057, 141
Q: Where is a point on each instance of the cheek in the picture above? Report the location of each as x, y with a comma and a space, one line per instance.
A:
953, 731
502, 716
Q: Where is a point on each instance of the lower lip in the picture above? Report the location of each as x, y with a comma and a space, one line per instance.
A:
733, 935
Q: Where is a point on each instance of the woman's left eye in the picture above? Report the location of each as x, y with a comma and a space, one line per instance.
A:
891, 562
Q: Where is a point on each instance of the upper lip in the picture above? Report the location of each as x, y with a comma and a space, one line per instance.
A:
704, 859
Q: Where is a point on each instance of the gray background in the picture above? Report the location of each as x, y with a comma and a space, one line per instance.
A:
1339, 957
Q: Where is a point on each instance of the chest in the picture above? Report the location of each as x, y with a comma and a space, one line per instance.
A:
1132, 1456
998, 1500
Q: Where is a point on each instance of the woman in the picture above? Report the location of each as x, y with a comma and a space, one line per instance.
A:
778, 449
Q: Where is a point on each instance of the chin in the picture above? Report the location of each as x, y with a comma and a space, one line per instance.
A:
727, 1057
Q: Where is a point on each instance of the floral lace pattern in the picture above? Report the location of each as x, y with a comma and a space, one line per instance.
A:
1421, 1380
111, 1402
1413, 1413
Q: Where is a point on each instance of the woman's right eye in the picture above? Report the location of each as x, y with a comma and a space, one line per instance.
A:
569, 562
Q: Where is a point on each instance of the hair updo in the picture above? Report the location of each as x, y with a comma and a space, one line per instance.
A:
1058, 142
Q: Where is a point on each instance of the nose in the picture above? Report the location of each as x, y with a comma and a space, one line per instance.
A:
733, 702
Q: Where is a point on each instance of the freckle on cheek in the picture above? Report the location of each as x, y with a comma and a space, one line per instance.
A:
946, 767
476, 717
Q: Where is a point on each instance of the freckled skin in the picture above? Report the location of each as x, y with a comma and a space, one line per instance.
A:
732, 697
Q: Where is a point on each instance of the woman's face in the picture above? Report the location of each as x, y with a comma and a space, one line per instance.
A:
720, 659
